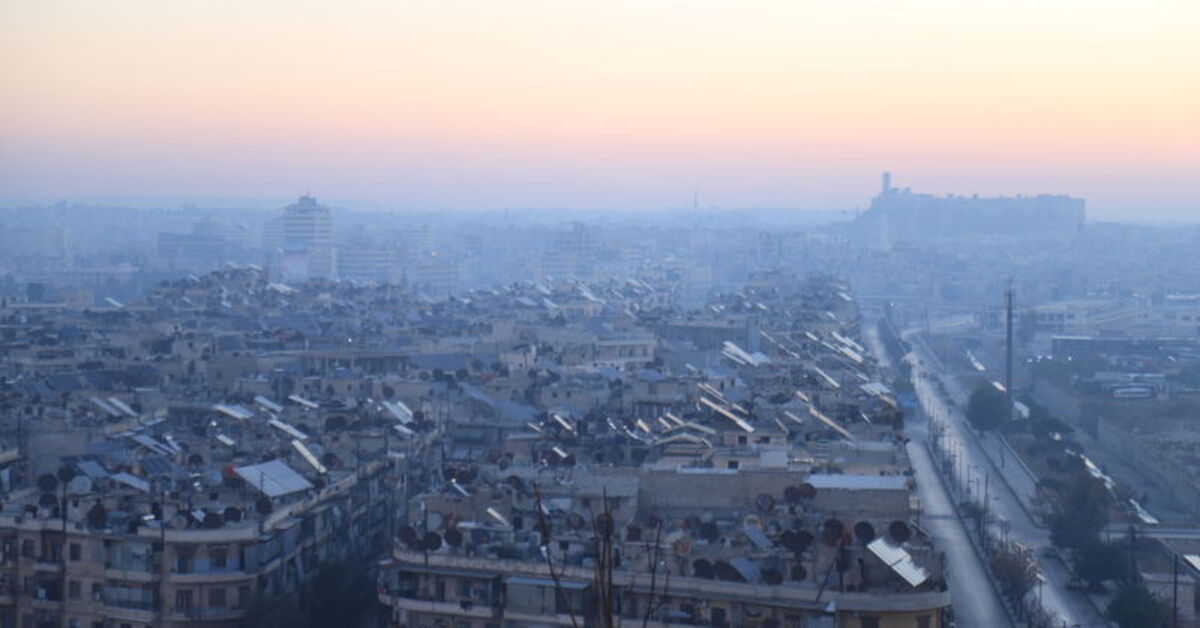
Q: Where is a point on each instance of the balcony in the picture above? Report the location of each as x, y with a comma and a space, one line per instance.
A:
207, 614
458, 609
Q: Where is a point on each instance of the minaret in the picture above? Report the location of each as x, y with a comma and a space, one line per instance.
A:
887, 183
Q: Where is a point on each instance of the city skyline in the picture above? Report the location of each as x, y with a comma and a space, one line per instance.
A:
527, 104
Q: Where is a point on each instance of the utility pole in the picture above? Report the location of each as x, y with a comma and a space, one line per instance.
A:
1008, 353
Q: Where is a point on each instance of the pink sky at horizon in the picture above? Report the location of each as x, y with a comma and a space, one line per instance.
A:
485, 104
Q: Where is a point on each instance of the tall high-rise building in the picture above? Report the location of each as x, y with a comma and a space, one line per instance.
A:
307, 241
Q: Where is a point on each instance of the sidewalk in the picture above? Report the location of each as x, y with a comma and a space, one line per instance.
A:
1012, 469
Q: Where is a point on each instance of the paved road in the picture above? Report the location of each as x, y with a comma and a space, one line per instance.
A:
976, 474
976, 602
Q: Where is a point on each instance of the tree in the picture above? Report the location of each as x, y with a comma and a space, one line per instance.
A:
270, 610
1081, 512
1135, 607
341, 593
1016, 572
1098, 561
987, 408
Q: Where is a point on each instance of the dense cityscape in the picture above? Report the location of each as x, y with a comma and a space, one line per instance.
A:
569, 314
287, 418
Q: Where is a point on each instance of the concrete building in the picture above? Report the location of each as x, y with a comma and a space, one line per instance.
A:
307, 244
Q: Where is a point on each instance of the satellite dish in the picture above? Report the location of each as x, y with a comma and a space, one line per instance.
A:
831, 531
432, 542
633, 533
263, 505
178, 522
864, 531
791, 494
47, 483
799, 573
899, 531
702, 568
765, 502
97, 516
725, 571
80, 485
212, 478
212, 520
408, 535
195, 460
66, 473
233, 514
574, 521
454, 537
709, 532
435, 521
47, 500
752, 521
807, 491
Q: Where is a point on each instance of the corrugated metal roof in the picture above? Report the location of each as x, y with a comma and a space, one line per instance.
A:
273, 478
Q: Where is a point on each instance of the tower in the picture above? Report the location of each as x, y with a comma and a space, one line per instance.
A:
307, 241
887, 183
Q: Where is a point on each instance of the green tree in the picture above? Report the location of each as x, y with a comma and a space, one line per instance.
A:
1135, 607
271, 610
1081, 512
1098, 561
987, 408
340, 593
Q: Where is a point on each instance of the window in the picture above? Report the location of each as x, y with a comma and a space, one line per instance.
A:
243, 596
183, 600
183, 562
718, 617
922, 621
74, 590
219, 557
869, 622
27, 549
75, 551
732, 464
216, 598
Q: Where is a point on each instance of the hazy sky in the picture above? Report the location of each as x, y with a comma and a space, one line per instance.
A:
493, 103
